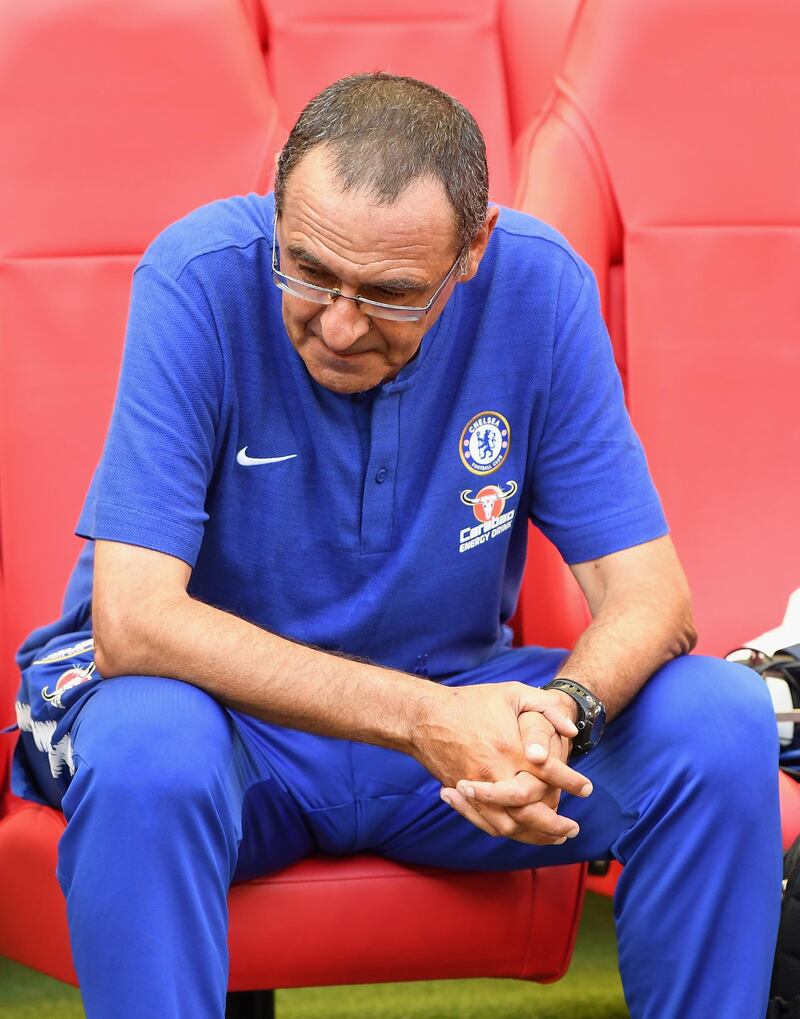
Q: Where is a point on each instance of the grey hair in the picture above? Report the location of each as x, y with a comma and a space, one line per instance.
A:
384, 132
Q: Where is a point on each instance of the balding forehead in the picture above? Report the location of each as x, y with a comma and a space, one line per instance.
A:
420, 223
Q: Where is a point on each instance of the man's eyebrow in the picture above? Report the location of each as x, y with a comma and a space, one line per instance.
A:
301, 254
401, 284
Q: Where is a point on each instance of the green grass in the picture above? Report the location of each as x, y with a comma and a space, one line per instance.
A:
590, 990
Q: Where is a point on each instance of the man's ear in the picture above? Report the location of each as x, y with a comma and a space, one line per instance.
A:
478, 245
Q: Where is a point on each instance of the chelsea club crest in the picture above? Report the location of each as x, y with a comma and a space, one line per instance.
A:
485, 442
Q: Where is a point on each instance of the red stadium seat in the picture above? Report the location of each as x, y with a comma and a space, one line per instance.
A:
125, 117
121, 119
668, 156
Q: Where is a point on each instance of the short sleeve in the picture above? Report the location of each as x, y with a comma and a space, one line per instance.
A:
591, 491
150, 486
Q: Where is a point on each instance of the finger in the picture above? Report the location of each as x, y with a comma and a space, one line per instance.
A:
556, 773
547, 756
539, 825
554, 770
560, 721
454, 799
493, 820
551, 710
526, 788
539, 738
560, 748
543, 819
519, 791
536, 733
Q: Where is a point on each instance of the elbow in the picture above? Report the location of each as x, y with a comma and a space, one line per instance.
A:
104, 658
115, 642
127, 639
689, 638
109, 658
686, 632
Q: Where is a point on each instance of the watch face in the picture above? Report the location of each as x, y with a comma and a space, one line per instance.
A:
598, 726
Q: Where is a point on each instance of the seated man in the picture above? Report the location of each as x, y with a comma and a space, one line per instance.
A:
287, 632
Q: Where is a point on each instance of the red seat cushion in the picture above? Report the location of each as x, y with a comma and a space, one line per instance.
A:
534, 35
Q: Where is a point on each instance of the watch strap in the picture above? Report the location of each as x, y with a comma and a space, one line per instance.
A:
591, 712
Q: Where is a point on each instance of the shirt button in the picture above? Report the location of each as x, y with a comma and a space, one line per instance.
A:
381, 476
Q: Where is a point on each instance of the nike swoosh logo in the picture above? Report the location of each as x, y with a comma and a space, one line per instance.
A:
251, 461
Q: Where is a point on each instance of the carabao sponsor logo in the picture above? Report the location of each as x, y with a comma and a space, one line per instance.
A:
489, 508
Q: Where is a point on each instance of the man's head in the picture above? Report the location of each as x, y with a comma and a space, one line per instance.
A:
381, 187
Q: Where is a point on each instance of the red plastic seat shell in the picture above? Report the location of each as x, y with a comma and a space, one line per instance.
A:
322, 921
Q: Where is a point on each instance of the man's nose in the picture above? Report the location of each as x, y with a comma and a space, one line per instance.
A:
342, 323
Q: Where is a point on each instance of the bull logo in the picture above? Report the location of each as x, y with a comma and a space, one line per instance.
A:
489, 502
67, 681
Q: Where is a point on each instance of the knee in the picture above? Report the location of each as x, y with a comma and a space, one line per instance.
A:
715, 719
145, 738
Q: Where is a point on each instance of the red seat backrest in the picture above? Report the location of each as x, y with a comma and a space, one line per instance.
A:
459, 45
534, 35
669, 158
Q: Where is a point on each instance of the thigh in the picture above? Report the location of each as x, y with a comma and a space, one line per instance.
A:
157, 735
170, 739
308, 802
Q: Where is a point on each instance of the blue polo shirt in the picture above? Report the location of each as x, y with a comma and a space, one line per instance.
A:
390, 524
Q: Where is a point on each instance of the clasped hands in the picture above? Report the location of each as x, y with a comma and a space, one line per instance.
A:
500, 752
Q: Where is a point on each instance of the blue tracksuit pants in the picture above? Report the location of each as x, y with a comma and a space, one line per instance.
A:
170, 797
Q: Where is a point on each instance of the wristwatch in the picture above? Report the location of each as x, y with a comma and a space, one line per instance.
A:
591, 719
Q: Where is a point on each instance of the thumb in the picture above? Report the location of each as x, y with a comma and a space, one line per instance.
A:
551, 709
535, 731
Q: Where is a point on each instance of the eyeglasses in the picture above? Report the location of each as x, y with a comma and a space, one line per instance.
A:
327, 295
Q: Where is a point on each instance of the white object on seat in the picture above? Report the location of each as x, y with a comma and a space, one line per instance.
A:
785, 635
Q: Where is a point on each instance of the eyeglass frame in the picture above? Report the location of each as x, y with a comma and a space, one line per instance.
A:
418, 312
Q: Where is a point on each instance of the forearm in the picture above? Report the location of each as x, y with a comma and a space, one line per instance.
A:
629, 638
265, 675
